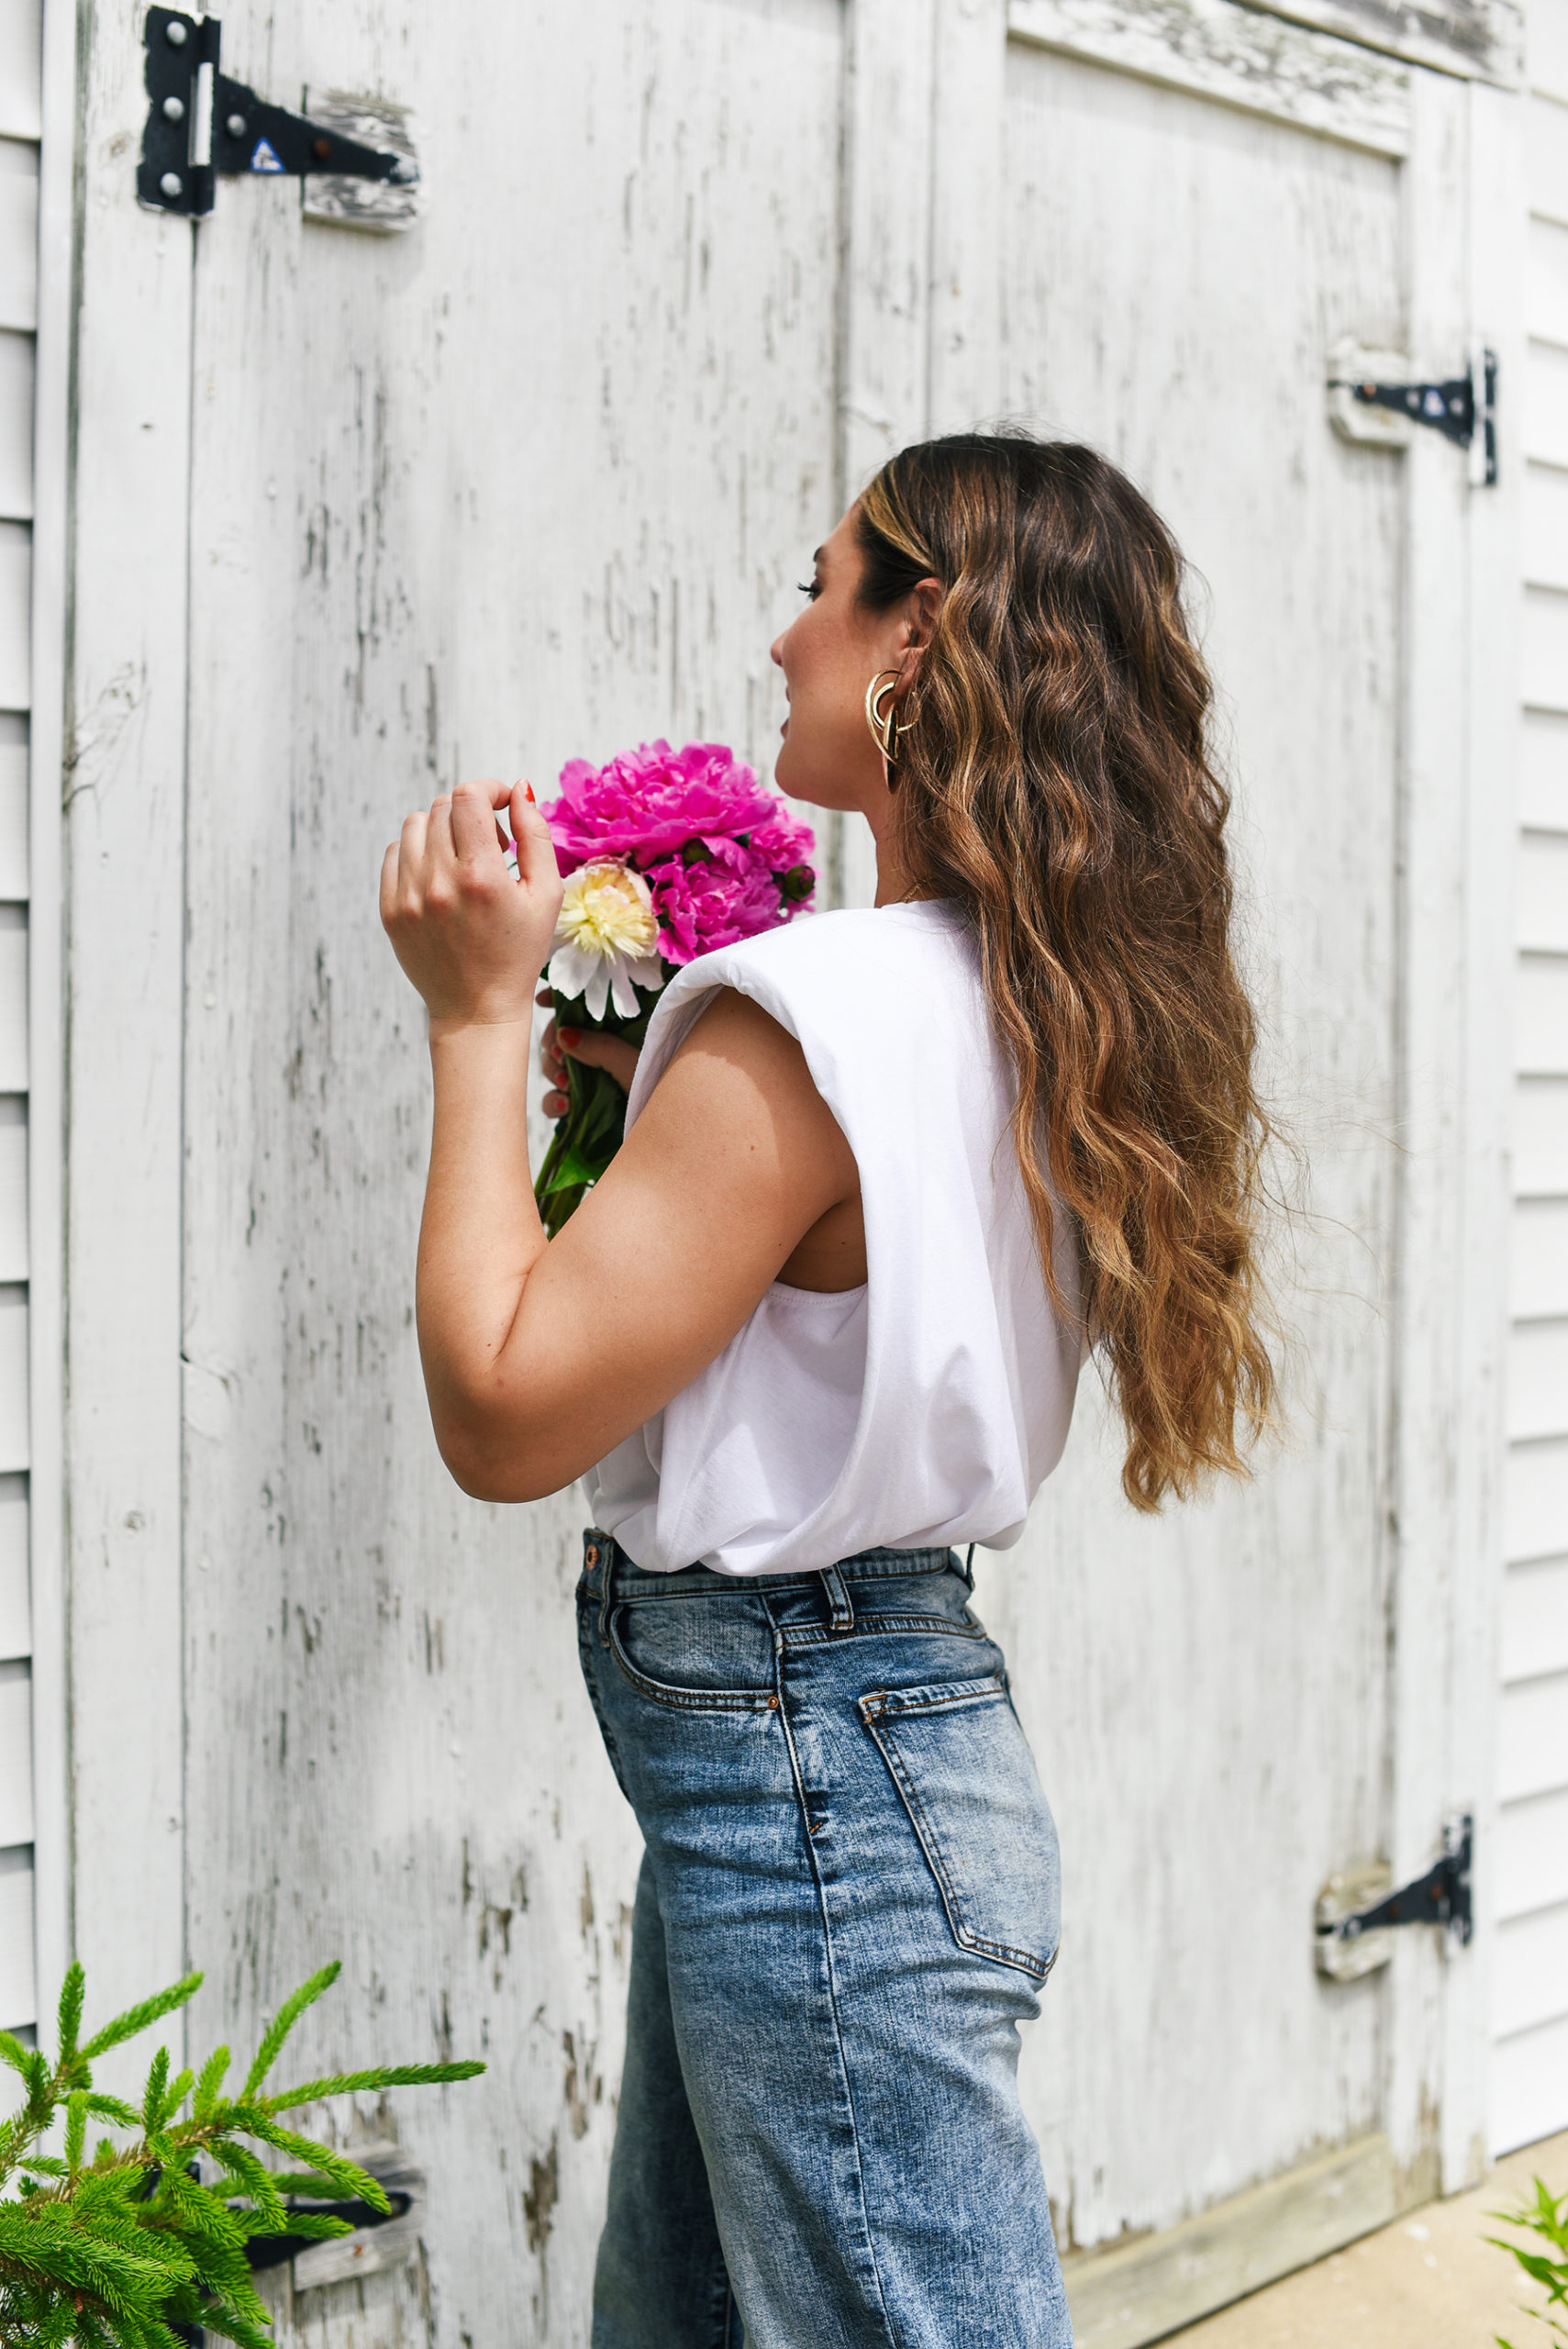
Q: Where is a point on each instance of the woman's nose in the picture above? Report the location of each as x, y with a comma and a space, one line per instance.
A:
774, 654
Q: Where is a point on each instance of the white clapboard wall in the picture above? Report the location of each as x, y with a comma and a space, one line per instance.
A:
1530, 2080
19, 132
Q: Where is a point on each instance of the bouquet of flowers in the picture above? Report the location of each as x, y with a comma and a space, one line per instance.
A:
668, 854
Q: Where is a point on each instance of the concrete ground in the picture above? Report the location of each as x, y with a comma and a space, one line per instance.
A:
1429, 2281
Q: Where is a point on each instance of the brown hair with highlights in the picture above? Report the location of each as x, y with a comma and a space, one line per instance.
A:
1056, 782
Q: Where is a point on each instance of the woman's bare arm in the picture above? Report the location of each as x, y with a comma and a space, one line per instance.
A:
540, 1355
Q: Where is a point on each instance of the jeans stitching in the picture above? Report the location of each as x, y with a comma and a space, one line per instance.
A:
833, 1996
810, 1635
925, 1835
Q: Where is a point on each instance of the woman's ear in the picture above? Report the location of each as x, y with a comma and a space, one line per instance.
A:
924, 603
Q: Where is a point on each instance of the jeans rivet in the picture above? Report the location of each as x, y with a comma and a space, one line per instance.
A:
773, 1704
592, 1558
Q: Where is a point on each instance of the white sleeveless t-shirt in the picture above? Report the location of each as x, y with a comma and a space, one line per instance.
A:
926, 1407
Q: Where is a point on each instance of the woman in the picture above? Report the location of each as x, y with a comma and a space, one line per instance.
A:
885, 1173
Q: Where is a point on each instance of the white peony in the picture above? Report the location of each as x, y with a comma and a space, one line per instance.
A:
605, 938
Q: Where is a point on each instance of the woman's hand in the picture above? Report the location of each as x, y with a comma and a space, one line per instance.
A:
559, 1045
472, 940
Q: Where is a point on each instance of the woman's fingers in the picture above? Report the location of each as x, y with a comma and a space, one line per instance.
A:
595, 1049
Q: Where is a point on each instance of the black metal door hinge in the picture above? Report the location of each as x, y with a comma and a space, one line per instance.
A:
199, 123
1352, 1934
1371, 400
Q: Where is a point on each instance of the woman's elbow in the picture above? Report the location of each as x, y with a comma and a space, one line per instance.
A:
490, 1465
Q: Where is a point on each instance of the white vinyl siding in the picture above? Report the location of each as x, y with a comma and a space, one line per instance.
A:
20, 24
1530, 2089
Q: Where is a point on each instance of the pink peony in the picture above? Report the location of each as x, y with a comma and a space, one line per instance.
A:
783, 844
649, 801
713, 903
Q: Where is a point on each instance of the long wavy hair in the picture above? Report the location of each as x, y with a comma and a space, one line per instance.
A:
1056, 781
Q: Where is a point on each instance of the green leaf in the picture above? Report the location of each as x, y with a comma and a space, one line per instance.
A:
344, 2176
72, 1991
112, 2107
210, 2081
75, 2127
12, 2052
137, 2017
283, 2021
157, 2081
385, 2075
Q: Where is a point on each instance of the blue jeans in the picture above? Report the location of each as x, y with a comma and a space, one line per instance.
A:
848, 1901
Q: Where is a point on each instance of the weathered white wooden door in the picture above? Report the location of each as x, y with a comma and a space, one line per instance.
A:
354, 517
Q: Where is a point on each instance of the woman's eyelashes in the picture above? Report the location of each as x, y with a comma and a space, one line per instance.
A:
809, 588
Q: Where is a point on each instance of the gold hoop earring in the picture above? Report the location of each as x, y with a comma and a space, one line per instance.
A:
884, 727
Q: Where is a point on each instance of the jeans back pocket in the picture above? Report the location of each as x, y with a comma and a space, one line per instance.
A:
962, 1763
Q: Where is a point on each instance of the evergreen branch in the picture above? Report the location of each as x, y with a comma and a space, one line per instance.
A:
137, 2017
385, 2075
157, 2081
210, 2082
343, 2176
283, 2021
72, 1992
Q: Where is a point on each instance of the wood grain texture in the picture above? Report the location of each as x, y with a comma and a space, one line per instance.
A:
1123, 2297
1153, 1657
1464, 37
1242, 57
121, 775
450, 517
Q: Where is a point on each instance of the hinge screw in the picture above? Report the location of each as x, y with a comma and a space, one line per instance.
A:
173, 110
234, 126
176, 35
171, 183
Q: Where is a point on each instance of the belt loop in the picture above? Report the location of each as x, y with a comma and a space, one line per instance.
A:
836, 1591
607, 1547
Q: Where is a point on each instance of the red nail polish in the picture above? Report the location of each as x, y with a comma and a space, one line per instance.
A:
529, 789
570, 1037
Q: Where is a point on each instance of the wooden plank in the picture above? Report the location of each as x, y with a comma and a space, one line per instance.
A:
1543, 645
16, 1612
1544, 771
1542, 918
53, 436
15, 1754
1530, 1978
1238, 56
13, 1379
1540, 1136
1535, 1484
21, 73
884, 334
18, 1996
12, 1188
19, 241
1539, 1253
964, 371
1548, 46
1546, 158
1546, 281
13, 998
16, 427
1538, 1379
1123, 2297
16, 615
1529, 2087
1541, 1015
1545, 509
1529, 1864
15, 781
1532, 1737
1535, 1618
1457, 39
122, 865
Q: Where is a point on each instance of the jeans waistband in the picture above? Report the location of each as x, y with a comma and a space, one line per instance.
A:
603, 1555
